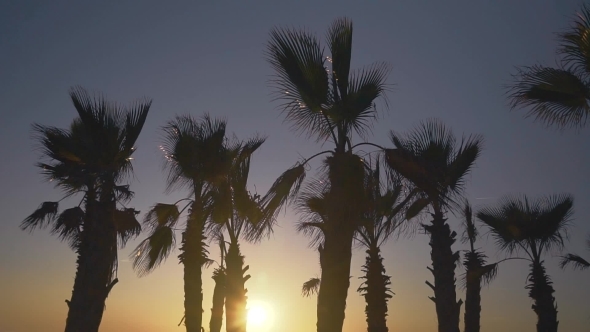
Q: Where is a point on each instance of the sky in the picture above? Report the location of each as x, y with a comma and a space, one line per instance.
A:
450, 60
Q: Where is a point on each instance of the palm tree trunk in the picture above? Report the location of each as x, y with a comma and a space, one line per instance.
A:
443, 270
97, 252
218, 301
335, 281
541, 291
376, 291
235, 301
192, 249
472, 301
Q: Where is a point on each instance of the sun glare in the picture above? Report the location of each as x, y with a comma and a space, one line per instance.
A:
259, 316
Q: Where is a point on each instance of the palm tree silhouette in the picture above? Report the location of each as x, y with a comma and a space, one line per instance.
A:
535, 227
197, 158
91, 158
559, 95
431, 159
219, 290
239, 214
327, 104
576, 261
477, 271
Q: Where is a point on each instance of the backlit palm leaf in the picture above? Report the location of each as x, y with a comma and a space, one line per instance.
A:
310, 287
153, 250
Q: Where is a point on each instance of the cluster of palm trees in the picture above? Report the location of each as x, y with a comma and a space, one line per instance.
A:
355, 197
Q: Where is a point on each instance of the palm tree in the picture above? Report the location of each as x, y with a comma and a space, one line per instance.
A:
559, 95
576, 261
197, 157
327, 104
431, 159
219, 290
378, 221
91, 158
239, 214
535, 227
477, 272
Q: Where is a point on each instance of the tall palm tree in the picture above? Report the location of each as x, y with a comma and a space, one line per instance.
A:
576, 261
384, 202
534, 227
239, 214
91, 159
328, 103
197, 158
477, 271
432, 159
559, 95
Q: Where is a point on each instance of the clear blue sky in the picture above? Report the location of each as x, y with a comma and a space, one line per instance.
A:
450, 60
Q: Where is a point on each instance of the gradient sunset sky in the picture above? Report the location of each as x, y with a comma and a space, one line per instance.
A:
450, 60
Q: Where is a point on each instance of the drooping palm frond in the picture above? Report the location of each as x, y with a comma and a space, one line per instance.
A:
283, 189
554, 96
126, 225
518, 221
311, 287
470, 232
152, 251
577, 262
68, 226
162, 215
41, 217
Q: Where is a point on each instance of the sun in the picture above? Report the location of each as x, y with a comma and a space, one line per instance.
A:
260, 316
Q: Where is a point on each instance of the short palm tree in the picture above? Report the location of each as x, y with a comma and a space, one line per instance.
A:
238, 213
576, 261
91, 159
534, 227
559, 95
432, 159
477, 271
329, 102
197, 158
219, 290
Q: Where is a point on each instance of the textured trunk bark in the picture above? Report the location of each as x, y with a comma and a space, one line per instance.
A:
335, 281
97, 253
235, 296
376, 291
472, 302
541, 291
218, 301
443, 270
193, 242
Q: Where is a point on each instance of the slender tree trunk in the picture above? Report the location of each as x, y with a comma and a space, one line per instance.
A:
443, 270
376, 291
472, 299
97, 252
192, 257
541, 291
218, 301
235, 296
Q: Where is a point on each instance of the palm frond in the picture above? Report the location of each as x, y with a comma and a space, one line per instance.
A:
470, 232
554, 96
162, 215
68, 226
152, 251
310, 287
340, 42
357, 110
126, 224
41, 217
122, 193
283, 190
575, 43
301, 81
577, 262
